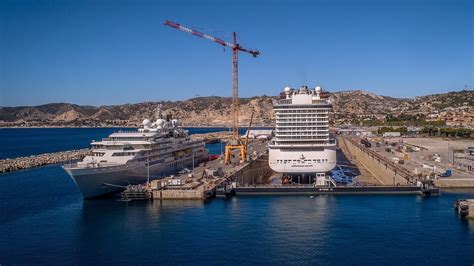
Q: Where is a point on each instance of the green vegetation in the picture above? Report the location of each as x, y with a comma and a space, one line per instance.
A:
448, 132
402, 130
433, 131
400, 122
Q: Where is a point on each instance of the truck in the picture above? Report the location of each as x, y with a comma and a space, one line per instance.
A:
366, 143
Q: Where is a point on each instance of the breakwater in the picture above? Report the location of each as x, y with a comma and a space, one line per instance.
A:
213, 137
10, 165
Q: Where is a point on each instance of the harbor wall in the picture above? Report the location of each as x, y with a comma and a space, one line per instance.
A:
10, 165
454, 182
381, 169
178, 194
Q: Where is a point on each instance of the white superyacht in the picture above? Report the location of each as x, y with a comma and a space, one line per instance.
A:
302, 145
156, 150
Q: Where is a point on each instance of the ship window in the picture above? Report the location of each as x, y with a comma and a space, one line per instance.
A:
127, 148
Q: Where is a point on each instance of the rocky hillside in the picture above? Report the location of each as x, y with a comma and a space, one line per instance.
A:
453, 107
366, 103
201, 111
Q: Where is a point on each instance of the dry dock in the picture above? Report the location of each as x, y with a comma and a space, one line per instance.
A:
216, 179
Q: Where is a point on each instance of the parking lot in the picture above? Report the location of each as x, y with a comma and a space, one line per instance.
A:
428, 149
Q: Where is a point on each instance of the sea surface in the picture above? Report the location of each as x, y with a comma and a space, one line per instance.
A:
43, 219
17, 142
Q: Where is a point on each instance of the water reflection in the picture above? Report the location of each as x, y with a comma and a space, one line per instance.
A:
297, 229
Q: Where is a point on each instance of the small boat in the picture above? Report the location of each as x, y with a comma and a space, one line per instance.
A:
461, 206
456, 204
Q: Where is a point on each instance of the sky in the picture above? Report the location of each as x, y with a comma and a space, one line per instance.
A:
108, 52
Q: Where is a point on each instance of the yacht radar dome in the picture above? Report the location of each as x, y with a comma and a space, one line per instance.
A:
146, 123
287, 92
160, 123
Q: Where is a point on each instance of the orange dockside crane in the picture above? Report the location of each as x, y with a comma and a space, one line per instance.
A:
235, 142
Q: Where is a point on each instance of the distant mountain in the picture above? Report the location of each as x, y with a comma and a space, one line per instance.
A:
455, 108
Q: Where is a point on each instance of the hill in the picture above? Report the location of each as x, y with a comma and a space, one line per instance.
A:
453, 108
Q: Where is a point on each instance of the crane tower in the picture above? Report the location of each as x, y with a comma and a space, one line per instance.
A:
235, 142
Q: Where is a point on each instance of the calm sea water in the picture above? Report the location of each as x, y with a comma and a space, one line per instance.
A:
18, 142
44, 220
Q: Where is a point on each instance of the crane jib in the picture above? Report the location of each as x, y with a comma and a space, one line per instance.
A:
208, 37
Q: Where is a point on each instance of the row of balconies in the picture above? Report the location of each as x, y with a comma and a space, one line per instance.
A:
308, 126
301, 123
300, 116
312, 134
311, 111
302, 107
302, 119
312, 129
291, 138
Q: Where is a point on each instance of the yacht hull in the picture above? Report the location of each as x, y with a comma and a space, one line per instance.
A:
100, 181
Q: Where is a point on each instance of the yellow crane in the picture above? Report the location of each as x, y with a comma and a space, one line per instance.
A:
240, 145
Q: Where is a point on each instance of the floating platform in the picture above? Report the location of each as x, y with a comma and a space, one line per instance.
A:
309, 190
136, 192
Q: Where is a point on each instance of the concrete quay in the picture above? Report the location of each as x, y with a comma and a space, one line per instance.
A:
206, 180
342, 190
371, 158
10, 165
449, 182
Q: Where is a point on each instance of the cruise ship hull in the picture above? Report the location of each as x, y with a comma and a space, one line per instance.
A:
319, 160
99, 181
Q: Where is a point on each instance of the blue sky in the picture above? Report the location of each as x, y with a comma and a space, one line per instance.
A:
113, 52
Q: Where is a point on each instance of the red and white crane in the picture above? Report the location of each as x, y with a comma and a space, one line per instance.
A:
236, 48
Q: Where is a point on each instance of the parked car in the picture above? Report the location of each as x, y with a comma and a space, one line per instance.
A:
448, 173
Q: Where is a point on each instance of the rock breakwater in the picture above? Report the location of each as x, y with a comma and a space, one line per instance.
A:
10, 165
213, 137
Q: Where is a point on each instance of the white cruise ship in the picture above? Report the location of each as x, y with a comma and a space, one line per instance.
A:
156, 150
302, 145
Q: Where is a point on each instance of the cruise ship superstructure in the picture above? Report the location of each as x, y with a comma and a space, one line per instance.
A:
156, 150
302, 145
